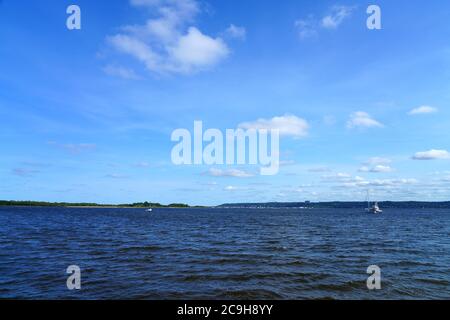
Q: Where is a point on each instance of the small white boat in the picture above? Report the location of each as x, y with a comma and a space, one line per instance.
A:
375, 208
149, 210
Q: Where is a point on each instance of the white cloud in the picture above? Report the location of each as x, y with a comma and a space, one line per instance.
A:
168, 42
389, 182
342, 175
423, 110
236, 32
340, 180
362, 119
235, 173
432, 155
363, 183
288, 125
121, 72
137, 49
309, 26
381, 168
337, 15
339, 177
196, 50
376, 169
376, 165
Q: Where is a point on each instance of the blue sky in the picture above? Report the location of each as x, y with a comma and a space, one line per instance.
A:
87, 114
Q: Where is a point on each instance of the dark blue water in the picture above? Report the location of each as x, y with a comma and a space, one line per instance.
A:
223, 253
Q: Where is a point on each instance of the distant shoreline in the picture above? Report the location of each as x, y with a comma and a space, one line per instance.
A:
141, 205
98, 207
268, 205
103, 207
337, 205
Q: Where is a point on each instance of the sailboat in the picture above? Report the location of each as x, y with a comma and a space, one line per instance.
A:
372, 208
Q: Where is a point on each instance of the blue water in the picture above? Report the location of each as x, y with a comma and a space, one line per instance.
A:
224, 253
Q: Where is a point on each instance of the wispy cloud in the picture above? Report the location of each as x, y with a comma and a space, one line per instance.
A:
235, 173
116, 176
74, 148
377, 165
24, 172
423, 110
329, 120
349, 181
231, 188
340, 177
142, 164
307, 27
310, 26
319, 169
336, 16
362, 119
432, 155
287, 125
378, 161
121, 72
236, 32
168, 42
386, 183
376, 169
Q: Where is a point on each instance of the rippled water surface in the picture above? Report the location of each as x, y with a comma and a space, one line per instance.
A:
224, 253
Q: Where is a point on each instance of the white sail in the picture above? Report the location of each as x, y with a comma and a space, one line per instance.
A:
375, 208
